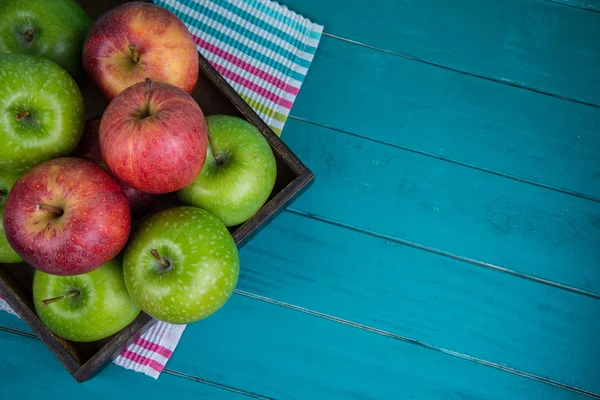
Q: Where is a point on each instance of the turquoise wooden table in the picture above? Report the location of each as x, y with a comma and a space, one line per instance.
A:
450, 245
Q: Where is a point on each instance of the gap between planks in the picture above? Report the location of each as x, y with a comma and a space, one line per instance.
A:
166, 371
563, 3
453, 161
501, 81
360, 326
419, 343
433, 250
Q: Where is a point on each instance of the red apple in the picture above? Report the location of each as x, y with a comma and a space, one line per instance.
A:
89, 148
67, 216
153, 137
138, 40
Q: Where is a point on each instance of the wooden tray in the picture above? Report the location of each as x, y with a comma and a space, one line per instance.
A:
215, 96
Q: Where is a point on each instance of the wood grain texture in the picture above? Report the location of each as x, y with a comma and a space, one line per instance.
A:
591, 5
453, 116
450, 304
282, 353
527, 229
45, 378
532, 43
286, 354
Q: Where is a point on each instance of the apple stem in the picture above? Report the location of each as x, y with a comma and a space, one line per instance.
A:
49, 208
213, 148
28, 35
161, 260
22, 114
134, 54
148, 87
72, 293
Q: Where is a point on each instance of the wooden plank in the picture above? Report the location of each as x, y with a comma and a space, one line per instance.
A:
453, 116
458, 306
532, 43
286, 354
465, 212
30, 371
12, 322
591, 5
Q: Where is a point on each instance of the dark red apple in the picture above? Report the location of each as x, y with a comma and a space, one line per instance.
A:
138, 40
67, 216
153, 137
89, 148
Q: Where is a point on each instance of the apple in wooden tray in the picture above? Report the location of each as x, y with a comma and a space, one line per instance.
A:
181, 265
239, 174
135, 41
85, 307
51, 29
66, 216
89, 148
153, 137
41, 111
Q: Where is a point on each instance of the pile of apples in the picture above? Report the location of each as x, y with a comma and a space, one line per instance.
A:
69, 187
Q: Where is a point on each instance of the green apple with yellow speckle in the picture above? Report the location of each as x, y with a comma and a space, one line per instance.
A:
7, 180
53, 29
41, 111
239, 172
85, 307
181, 265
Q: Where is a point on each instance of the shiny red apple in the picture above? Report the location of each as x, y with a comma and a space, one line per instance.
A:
67, 216
138, 40
153, 137
89, 148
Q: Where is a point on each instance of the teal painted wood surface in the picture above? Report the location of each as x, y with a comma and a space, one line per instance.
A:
461, 211
515, 323
457, 117
449, 245
43, 377
592, 5
536, 44
282, 353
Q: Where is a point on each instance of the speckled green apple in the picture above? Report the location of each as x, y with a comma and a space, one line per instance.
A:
86, 307
53, 29
41, 111
181, 265
7, 180
235, 184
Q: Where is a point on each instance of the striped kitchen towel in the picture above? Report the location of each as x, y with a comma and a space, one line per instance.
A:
264, 51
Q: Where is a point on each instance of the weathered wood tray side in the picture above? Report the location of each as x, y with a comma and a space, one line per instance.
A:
215, 96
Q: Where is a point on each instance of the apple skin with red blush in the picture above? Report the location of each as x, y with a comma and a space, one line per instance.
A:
153, 137
136, 41
89, 148
67, 216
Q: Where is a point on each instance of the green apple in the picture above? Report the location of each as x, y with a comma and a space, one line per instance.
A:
41, 111
53, 29
181, 265
7, 180
236, 183
86, 307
